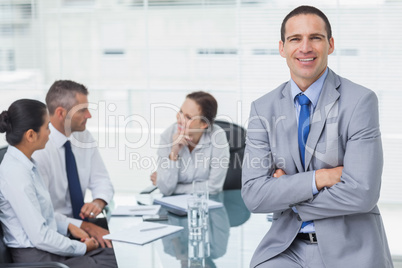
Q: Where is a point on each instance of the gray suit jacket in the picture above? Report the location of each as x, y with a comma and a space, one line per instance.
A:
344, 131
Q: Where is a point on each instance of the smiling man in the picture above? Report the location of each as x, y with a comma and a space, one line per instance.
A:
318, 144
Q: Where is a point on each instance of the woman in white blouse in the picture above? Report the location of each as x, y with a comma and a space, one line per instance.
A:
32, 231
192, 149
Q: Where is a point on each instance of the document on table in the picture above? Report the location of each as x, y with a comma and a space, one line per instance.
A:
136, 210
179, 202
143, 233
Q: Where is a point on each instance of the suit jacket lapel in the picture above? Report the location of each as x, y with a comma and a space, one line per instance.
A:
328, 97
287, 109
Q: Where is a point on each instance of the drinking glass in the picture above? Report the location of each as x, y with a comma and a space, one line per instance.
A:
200, 189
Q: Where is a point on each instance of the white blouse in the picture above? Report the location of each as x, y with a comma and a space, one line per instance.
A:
209, 160
26, 211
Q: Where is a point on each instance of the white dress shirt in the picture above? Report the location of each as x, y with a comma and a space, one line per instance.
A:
209, 160
92, 172
26, 211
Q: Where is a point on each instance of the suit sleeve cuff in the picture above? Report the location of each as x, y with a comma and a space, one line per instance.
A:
313, 185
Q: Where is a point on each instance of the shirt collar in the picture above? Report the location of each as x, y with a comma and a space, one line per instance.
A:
313, 92
21, 157
58, 138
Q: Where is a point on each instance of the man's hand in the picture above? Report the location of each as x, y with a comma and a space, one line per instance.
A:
91, 210
97, 233
91, 244
153, 178
279, 172
328, 177
77, 232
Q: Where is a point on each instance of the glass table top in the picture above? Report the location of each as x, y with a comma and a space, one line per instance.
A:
234, 234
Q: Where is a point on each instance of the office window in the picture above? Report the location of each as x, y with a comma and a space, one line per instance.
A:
136, 56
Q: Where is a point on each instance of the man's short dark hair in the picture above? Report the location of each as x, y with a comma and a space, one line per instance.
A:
305, 10
62, 94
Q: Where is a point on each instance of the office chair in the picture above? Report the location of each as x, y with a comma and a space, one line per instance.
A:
236, 136
234, 204
5, 255
3, 151
238, 213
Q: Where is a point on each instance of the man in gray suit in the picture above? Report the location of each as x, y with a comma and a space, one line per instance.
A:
314, 159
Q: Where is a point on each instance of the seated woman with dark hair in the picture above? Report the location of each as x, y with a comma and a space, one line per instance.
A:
193, 149
31, 229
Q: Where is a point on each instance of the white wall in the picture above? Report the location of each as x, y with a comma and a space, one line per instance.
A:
134, 57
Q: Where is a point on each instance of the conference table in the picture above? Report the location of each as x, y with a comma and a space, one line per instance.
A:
234, 234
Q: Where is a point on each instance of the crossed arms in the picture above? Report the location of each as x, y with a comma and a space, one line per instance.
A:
350, 188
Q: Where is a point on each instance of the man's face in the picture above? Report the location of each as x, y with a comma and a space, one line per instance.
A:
79, 114
306, 48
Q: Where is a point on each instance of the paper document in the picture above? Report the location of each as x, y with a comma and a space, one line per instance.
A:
143, 233
135, 210
179, 202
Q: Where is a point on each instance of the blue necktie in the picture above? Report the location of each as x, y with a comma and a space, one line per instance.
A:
303, 130
77, 200
304, 124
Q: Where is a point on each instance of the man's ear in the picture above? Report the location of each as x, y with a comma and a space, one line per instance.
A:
281, 50
60, 113
30, 135
331, 46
